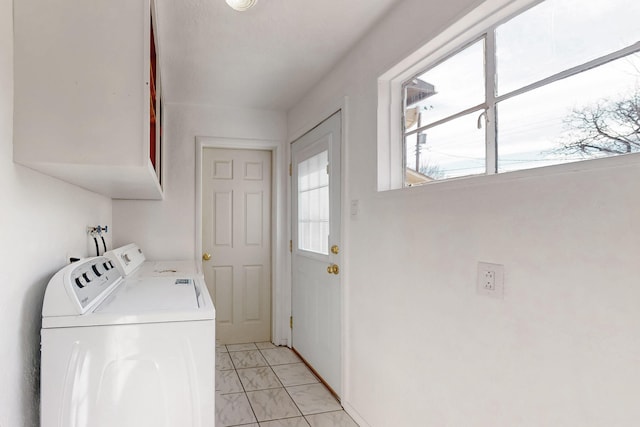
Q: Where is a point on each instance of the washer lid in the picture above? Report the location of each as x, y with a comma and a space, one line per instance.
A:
143, 295
178, 268
145, 300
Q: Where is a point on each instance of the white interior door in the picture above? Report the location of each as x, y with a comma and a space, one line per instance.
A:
236, 234
316, 292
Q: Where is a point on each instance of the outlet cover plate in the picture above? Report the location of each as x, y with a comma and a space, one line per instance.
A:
494, 273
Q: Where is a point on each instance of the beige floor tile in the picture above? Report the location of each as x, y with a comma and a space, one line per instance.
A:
228, 382
280, 356
223, 362
247, 359
233, 409
258, 378
294, 374
287, 422
265, 345
331, 419
250, 392
313, 399
241, 347
272, 404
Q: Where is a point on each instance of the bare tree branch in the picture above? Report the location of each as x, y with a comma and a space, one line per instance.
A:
604, 128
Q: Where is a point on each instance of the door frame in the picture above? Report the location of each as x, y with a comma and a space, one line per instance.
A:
311, 121
279, 218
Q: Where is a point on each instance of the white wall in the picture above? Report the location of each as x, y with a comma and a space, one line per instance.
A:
562, 347
41, 221
166, 229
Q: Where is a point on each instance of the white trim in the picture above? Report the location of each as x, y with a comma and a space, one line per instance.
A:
469, 27
462, 113
631, 161
349, 409
315, 119
280, 278
490, 125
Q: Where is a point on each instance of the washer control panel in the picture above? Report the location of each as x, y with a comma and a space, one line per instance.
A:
126, 258
90, 278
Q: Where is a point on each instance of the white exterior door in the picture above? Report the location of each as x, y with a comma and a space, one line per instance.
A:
236, 234
316, 292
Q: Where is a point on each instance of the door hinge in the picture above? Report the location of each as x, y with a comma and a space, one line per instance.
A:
290, 245
291, 322
327, 169
290, 169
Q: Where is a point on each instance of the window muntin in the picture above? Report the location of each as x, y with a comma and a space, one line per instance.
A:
438, 92
453, 149
510, 155
442, 139
556, 35
313, 204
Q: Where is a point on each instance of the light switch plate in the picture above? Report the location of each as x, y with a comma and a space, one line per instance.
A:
355, 209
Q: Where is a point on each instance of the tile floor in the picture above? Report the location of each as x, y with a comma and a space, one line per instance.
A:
259, 384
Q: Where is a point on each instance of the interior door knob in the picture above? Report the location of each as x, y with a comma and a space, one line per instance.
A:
206, 256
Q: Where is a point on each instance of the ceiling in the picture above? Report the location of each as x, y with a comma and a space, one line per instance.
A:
267, 57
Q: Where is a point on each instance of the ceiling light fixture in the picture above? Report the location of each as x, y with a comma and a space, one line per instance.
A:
241, 5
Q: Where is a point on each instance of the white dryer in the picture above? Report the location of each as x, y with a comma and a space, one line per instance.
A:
130, 261
120, 352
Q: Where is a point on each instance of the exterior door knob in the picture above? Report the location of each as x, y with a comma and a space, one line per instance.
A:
333, 269
206, 256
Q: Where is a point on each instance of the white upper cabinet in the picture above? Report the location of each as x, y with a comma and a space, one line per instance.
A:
83, 95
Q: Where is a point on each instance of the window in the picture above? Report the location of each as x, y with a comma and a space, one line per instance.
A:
313, 204
557, 83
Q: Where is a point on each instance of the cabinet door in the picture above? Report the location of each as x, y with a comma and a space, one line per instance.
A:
82, 93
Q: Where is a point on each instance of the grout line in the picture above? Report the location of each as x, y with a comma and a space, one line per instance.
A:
243, 389
319, 377
270, 366
295, 403
245, 392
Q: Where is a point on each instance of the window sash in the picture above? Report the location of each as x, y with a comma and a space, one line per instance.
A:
491, 99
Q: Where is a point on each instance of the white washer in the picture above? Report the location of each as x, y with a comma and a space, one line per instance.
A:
126, 352
130, 261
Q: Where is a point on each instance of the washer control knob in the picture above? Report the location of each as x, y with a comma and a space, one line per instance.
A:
95, 270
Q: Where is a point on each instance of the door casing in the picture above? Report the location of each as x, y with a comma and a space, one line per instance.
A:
279, 243
238, 240
313, 120
281, 221
316, 302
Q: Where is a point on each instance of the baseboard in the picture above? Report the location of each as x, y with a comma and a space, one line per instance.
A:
354, 414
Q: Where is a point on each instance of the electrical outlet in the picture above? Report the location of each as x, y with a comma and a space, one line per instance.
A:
490, 280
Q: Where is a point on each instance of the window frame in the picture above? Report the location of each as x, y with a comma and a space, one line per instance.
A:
480, 23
